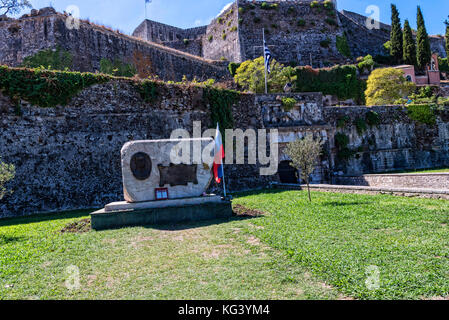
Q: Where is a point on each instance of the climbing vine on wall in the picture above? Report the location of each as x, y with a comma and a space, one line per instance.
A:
43, 87
147, 90
221, 102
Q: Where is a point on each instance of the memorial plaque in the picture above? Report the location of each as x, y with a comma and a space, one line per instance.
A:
178, 175
141, 166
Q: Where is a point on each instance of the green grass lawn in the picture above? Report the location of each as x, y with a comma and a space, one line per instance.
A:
212, 260
297, 251
339, 237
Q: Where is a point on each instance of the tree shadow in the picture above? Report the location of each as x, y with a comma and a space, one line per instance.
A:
8, 239
181, 226
23, 220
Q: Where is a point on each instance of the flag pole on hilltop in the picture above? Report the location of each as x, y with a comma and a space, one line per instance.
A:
218, 166
146, 2
267, 60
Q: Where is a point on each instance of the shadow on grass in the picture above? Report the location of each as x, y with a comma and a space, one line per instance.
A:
197, 224
344, 204
12, 221
7, 240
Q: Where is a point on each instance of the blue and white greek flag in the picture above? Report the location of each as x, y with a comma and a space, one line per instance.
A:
148, 1
267, 56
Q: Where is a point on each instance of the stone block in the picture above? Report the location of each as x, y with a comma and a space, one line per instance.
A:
147, 166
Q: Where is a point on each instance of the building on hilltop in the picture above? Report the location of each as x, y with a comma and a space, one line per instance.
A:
298, 32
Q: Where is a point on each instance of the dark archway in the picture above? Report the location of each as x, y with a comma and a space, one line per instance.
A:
287, 174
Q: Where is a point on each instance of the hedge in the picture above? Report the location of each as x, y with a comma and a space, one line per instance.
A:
340, 81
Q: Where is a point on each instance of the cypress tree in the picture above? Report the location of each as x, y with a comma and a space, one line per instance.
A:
396, 37
423, 53
447, 37
409, 45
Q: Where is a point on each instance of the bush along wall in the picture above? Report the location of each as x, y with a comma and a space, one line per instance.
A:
221, 102
340, 81
45, 88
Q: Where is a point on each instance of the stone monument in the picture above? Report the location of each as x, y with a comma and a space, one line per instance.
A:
156, 191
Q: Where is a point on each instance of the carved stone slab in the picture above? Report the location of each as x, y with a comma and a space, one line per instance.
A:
146, 166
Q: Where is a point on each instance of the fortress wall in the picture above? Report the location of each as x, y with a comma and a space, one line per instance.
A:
397, 143
215, 46
90, 43
288, 41
361, 40
69, 157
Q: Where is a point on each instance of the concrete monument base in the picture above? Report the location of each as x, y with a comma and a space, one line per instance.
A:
124, 214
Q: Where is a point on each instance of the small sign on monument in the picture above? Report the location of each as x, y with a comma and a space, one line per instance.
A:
161, 194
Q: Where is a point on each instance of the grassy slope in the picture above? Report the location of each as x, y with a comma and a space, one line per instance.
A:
339, 235
218, 260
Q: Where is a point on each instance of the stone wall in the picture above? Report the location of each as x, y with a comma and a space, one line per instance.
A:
396, 143
288, 41
69, 157
222, 37
436, 181
91, 43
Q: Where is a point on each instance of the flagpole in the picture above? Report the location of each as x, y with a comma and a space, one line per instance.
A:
224, 182
146, 16
264, 61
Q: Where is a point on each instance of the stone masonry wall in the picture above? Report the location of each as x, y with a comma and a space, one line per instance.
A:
288, 41
222, 37
396, 143
91, 43
436, 181
69, 157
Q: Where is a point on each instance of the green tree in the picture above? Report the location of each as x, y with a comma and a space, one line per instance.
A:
117, 68
447, 36
51, 59
409, 45
423, 53
7, 173
396, 37
305, 154
251, 76
387, 85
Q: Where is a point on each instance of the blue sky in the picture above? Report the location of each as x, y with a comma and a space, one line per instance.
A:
127, 14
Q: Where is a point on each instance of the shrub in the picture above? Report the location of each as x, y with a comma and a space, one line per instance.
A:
422, 113
360, 125
288, 103
186, 41
443, 64
301, 23
43, 87
325, 43
210, 38
331, 22
256, 20
232, 67
7, 173
224, 36
387, 85
340, 81
251, 76
117, 68
315, 4
343, 122
51, 59
366, 64
233, 29
372, 118
343, 46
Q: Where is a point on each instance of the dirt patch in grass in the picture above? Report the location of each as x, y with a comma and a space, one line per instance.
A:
242, 211
77, 227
